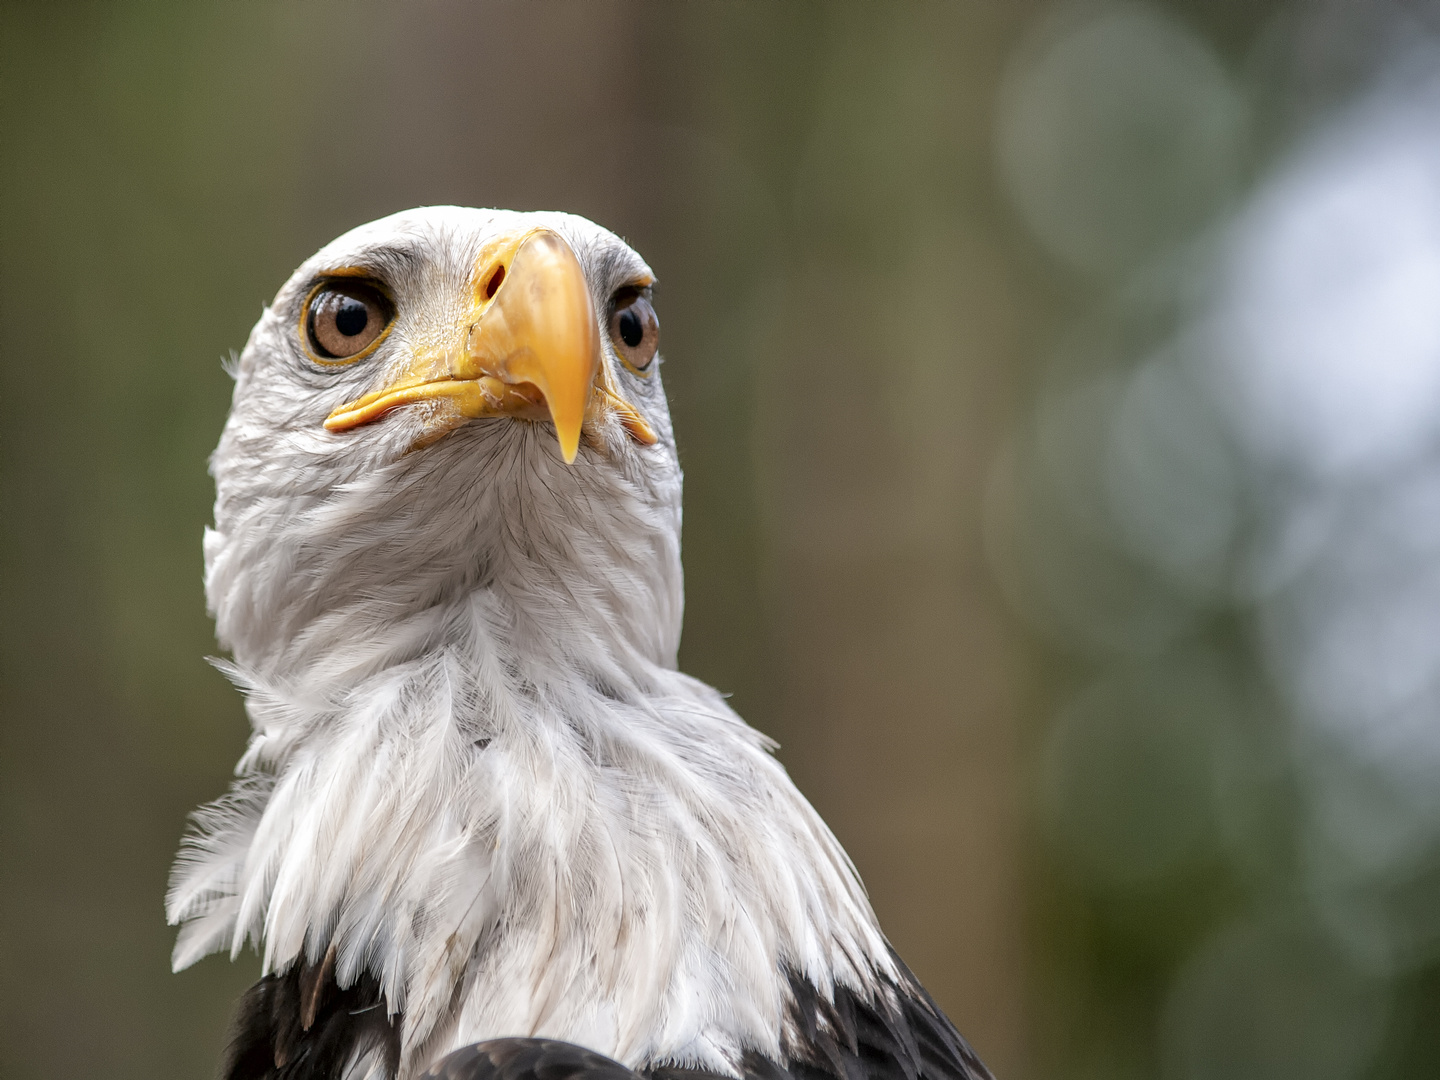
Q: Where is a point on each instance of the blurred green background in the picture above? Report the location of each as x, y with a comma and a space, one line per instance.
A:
1058, 388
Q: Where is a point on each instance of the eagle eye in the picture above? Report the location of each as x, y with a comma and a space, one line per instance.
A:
634, 329
344, 320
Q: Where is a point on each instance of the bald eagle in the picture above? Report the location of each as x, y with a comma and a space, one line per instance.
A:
484, 828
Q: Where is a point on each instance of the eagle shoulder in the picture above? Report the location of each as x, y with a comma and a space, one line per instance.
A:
897, 1033
300, 1025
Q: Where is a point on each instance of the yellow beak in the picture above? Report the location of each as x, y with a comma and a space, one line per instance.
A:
530, 348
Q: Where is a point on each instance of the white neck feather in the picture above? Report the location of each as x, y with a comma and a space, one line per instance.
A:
494, 792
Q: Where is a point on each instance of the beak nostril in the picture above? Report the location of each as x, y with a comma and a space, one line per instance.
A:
493, 285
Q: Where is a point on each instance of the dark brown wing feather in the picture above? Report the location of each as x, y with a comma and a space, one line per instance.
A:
897, 1034
528, 1059
300, 1025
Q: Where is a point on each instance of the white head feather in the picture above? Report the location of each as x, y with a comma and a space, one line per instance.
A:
475, 769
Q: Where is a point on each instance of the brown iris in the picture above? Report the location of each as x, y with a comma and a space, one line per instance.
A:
345, 318
634, 329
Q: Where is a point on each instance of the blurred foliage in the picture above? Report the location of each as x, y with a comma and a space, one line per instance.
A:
1220, 517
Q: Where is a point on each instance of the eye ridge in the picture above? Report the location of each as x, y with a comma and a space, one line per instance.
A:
345, 320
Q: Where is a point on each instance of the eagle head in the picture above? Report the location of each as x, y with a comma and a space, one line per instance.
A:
442, 399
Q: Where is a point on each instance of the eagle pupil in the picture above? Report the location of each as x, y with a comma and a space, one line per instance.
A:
352, 317
632, 330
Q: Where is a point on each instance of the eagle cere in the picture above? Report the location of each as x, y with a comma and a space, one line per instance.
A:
484, 826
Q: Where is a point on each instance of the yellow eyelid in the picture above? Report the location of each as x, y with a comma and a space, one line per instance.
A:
303, 331
644, 372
